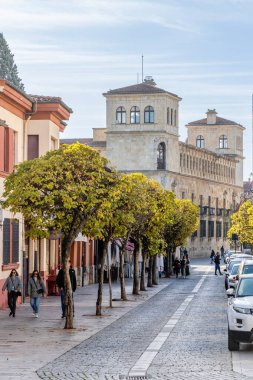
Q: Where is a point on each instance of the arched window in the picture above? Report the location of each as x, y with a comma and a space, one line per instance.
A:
161, 163
135, 115
223, 142
168, 115
120, 115
200, 142
149, 114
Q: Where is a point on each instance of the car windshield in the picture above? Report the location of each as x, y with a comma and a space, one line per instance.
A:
232, 263
247, 269
245, 288
235, 269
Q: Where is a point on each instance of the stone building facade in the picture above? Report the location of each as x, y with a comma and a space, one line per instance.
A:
142, 135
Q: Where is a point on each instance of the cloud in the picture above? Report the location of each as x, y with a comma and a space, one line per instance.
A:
47, 14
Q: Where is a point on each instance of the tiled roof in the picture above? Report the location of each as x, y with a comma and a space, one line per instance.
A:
49, 99
219, 121
87, 141
141, 88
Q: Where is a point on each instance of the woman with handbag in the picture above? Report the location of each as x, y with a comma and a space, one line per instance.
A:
14, 287
36, 289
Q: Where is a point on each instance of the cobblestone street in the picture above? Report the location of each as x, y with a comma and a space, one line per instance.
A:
195, 346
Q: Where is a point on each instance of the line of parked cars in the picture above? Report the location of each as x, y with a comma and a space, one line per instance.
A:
239, 287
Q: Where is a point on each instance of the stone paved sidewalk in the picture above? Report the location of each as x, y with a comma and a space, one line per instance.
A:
28, 343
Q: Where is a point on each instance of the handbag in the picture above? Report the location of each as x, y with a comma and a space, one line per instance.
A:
39, 291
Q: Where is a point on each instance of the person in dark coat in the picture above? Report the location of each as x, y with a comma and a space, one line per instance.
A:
177, 266
14, 288
61, 285
217, 263
212, 256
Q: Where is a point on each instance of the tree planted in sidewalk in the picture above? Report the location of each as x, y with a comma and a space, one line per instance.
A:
58, 193
242, 223
182, 223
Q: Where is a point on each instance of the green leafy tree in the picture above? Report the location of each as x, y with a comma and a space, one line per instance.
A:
59, 192
182, 223
8, 69
242, 223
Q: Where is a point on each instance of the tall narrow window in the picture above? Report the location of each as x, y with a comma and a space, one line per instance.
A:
168, 115
10, 241
7, 149
135, 115
175, 118
33, 147
161, 159
149, 114
200, 142
223, 142
121, 115
171, 116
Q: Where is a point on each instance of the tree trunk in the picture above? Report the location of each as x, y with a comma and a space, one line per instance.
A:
168, 269
150, 265
101, 281
154, 271
136, 274
143, 270
109, 279
68, 300
122, 276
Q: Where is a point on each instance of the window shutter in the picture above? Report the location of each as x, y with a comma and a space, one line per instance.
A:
6, 241
15, 241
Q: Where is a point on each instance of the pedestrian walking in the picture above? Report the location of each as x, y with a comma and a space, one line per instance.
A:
217, 263
212, 256
222, 250
185, 252
14, 288
187, 267
36, 290
61, 285
183, 265
177, 266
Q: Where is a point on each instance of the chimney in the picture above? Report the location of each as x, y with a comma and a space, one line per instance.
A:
211, 116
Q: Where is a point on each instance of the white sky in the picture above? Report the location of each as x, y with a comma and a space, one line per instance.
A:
77, 49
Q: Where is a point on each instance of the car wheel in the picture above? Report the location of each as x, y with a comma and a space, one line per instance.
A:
233, 345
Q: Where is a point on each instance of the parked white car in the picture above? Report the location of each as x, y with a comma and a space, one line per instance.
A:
240, 313
232, 278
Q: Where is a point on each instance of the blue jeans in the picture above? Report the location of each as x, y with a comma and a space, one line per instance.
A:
63, 301
217, 267
35, 303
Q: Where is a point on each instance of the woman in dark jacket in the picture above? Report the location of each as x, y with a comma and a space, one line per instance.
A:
14, 287
36, 289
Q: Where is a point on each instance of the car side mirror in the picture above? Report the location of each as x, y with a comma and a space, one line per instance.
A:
230, 292
237, 277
